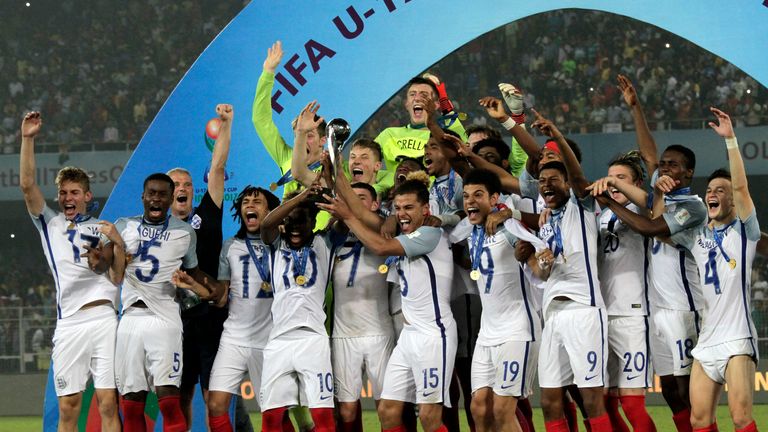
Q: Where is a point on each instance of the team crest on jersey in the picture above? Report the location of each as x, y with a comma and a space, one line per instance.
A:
413, 235
682, 216
196, 221
61, 382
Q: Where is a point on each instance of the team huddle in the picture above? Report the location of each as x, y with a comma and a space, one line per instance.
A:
447, 261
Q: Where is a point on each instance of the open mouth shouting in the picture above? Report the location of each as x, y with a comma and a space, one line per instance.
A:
156, 212
357, 174
549, 196
473, 213
405, 225
418, 111
182, 198
713, 204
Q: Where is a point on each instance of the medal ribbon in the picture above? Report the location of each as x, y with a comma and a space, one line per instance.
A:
612, 224
300, 261
554, 222
391, 260
478, 237
262, 264
719, 235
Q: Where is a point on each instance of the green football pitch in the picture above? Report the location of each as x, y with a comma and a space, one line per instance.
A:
661, 417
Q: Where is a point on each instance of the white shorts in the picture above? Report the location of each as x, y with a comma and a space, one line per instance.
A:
714, 359
233, 363
628, 346
296, 364
508, 368
466, 310
573, 346
674, 334
84, 347
420, 368
148, 353
354, 355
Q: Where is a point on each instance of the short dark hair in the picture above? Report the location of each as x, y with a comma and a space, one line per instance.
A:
308, 204
414, 186
237, 205
421, 80
368, 187
484, 177
556, 165
496, 143
419, 162
688, 154
160, 177
487, 130
719, 173
370, 145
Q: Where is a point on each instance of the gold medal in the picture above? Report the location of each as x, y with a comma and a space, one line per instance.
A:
301, 280
71, 225
273, 187
383, 268
732, 263
474, 274
266, 287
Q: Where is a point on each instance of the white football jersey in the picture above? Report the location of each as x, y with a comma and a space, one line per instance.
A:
360, 293
574, 272
725, 272
672, 270
446, 195
296, 306
622, 263
158, 250
63, 240
250, 303
508, 309
424, 275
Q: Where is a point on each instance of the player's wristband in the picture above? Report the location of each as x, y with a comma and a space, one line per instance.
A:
516, 214
509, 123
731, 143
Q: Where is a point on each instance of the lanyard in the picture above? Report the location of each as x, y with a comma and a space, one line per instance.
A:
288, 176
478, 237
719, 235
612, 225
300, 261
355, 253
262, 264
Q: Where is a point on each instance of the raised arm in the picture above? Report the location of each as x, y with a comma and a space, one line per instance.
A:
220, 154
33, 197
370, 238
494, 107
262, 119
509, 183
645, 142
636, 195
741, 198
270, 226
576, 178
306, 123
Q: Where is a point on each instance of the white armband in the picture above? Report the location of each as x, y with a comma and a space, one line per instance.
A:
731, 143
509, 123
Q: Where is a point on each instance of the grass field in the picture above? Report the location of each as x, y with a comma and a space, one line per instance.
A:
661, 417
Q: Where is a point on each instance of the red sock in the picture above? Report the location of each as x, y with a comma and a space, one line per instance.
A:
525, 406
400, 428
682, 421
710, 428
601, 424
323, 418
634, 409
612, 407
272, 420
133, 416
571, 417
560, 425
173, 418
359, 418
442, 428
220, 423
752, 427
286, 425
